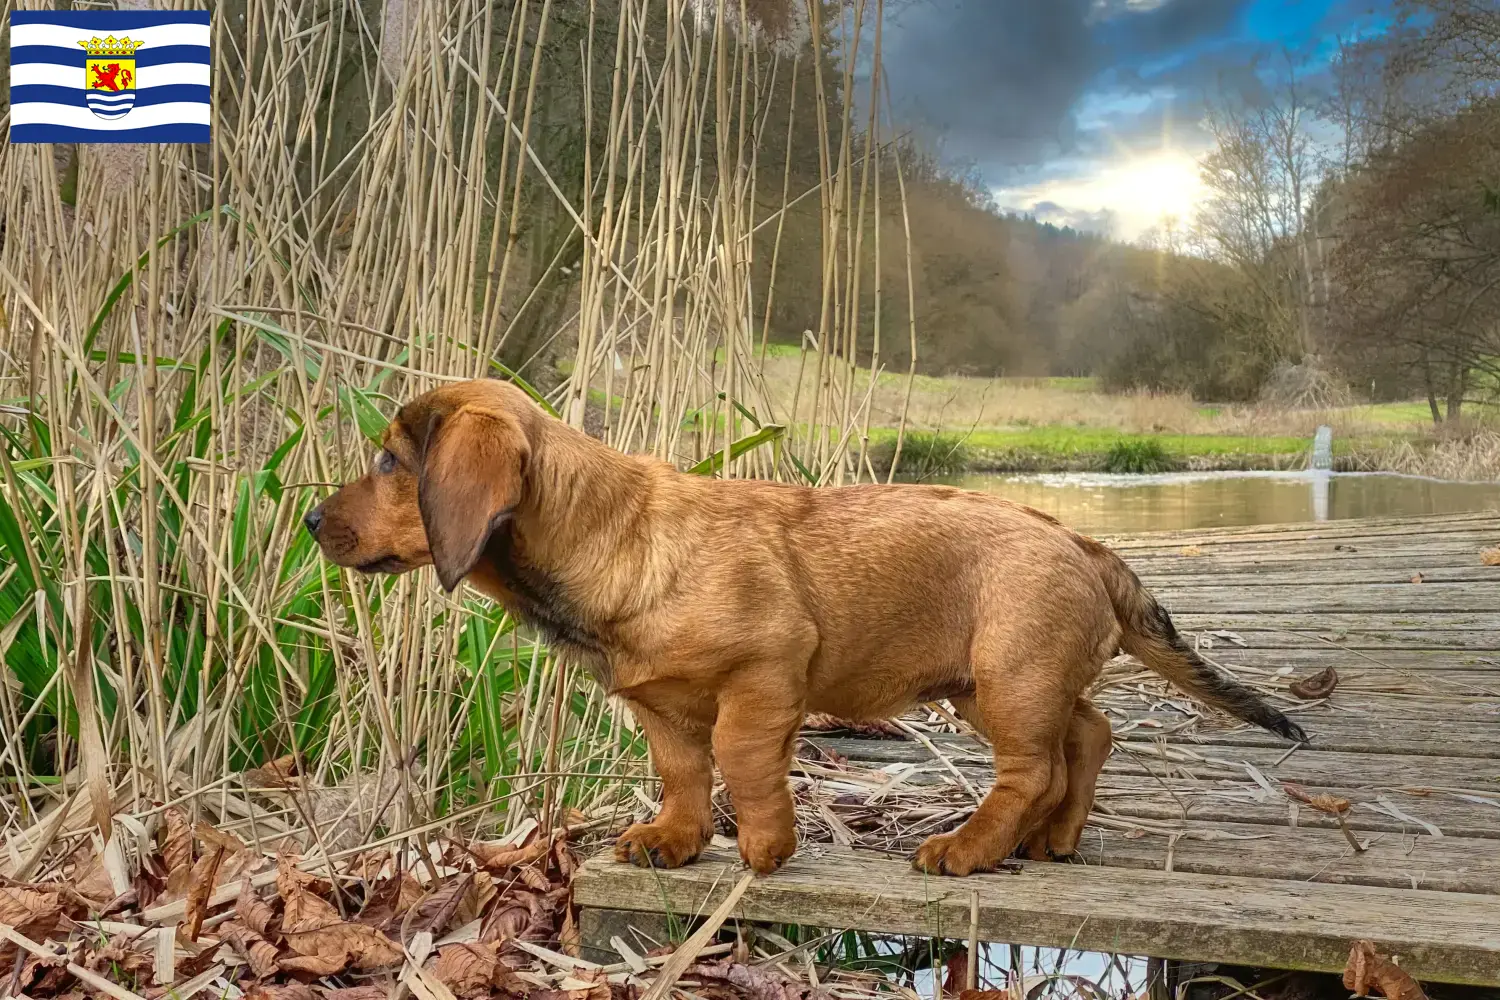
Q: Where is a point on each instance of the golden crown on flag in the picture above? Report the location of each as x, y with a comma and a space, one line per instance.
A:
111, 46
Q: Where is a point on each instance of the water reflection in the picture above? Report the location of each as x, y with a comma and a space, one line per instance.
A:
1108, 503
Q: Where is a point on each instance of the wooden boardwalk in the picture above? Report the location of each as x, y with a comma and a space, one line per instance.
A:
1196, 850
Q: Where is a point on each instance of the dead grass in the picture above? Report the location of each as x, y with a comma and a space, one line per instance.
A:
1471, 454
957, 402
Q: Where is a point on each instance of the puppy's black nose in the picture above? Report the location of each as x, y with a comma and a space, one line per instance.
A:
313, 520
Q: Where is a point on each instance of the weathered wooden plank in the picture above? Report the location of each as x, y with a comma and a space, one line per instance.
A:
1373, 525
1393, 560
1374, 598
1265, 635
1327, 531
1440, 936
1400, 573
1173, 799
1170, 800
1395, 860
1369, 733
1311, 656
1368, 624
1214, 761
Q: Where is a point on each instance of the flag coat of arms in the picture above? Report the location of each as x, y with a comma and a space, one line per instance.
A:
109, 76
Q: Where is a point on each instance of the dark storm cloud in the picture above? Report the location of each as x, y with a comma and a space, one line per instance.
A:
1001, 82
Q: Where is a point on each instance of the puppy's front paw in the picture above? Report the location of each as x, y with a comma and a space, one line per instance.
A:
952, 854
660, 845
766, 849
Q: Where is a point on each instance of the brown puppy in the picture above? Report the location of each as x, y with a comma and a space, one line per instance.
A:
724, 611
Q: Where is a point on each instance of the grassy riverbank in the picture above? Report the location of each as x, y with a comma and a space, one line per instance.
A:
965, 424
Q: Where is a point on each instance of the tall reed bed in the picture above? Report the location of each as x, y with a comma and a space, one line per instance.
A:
197, 342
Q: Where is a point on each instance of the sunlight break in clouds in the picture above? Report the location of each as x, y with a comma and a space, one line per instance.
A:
1135, 193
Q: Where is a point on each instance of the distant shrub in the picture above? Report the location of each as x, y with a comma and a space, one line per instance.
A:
1138, 455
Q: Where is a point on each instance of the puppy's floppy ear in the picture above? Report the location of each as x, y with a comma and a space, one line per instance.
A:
473, 464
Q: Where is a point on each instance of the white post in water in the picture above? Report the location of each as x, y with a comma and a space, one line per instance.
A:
1322, 456
1322, 470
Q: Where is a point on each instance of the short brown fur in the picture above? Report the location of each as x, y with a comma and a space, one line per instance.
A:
722, 611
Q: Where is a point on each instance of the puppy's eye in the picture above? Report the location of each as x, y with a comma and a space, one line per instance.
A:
385, 463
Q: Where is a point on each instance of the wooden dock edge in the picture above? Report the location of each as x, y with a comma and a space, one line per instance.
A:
1437, 936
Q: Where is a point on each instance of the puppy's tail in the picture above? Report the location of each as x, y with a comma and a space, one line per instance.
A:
1150, 636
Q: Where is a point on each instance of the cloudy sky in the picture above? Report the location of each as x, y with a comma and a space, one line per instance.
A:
1087, 111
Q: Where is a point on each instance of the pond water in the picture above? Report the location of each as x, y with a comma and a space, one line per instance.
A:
1096, 503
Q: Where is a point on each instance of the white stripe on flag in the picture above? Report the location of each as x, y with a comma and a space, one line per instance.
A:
55, 75
68, 38
40, 113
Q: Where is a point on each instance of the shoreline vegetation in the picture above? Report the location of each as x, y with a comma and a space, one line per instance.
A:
961, 424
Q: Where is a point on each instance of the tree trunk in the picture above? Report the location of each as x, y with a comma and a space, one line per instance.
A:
1432, 401
1457, 386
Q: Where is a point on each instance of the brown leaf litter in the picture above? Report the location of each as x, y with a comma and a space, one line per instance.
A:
1369, 970
483, 919
1490, 557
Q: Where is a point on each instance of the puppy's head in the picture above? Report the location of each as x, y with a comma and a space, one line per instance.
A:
450, 471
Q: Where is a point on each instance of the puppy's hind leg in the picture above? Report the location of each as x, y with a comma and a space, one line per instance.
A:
1022, 690
1087, 746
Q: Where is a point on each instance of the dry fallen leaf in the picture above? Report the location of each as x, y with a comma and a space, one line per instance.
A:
317, 965
332, 947
354, 993
35, 914
258, 952
291, 991
176, 841
389, 901
205, 877
1330, 804
1369, 970
117, 959
759, 982
213, 837
278, 773
481, 891
1333, 805
466, 969
434, 911
306, 912
254, 912
290, 879
498, 857
1490, 557
1319, 685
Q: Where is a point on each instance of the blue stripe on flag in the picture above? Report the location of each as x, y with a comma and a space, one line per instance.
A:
158, 56
62, 133
109, 20
172, 93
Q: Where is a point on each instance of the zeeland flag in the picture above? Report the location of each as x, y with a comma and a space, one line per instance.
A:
109, 76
